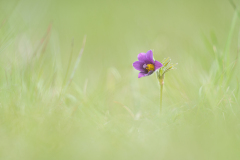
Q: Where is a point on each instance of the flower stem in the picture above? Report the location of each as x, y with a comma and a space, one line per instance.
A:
161, 82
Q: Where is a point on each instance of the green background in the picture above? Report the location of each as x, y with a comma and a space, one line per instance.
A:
105, 111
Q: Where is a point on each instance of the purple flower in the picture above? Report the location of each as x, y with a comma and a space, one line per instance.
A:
146, 65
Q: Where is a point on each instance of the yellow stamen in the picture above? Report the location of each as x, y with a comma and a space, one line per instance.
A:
150, 67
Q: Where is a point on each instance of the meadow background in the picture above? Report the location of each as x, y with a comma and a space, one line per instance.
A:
105, 111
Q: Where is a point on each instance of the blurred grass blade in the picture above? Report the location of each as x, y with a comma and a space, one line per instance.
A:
69, 62
229, 39
77, 62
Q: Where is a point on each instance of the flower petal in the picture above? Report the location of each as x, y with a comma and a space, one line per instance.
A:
142, 57
142, 74
149, 56
158, 65
138, 65
150, 72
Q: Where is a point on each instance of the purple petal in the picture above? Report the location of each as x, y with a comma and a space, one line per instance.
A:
142, 74
149, 56
139, 66
142, 57
158, 65
150, 72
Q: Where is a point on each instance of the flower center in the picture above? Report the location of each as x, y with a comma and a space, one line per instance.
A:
150, 67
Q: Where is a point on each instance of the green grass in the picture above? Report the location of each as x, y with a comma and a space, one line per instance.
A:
101, 110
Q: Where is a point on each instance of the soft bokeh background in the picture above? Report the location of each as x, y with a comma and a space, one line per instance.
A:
105, 111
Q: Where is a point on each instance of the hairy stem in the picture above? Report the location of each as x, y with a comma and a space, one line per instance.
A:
161, 82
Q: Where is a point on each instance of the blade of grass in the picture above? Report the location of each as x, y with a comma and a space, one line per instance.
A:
77, 63
230, 35
45, 37
229, 39
127, 109
69, 62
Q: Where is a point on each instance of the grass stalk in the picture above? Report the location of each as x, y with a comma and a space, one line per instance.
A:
229, 39
77, 62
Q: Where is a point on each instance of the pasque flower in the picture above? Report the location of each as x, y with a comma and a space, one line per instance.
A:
146, 64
